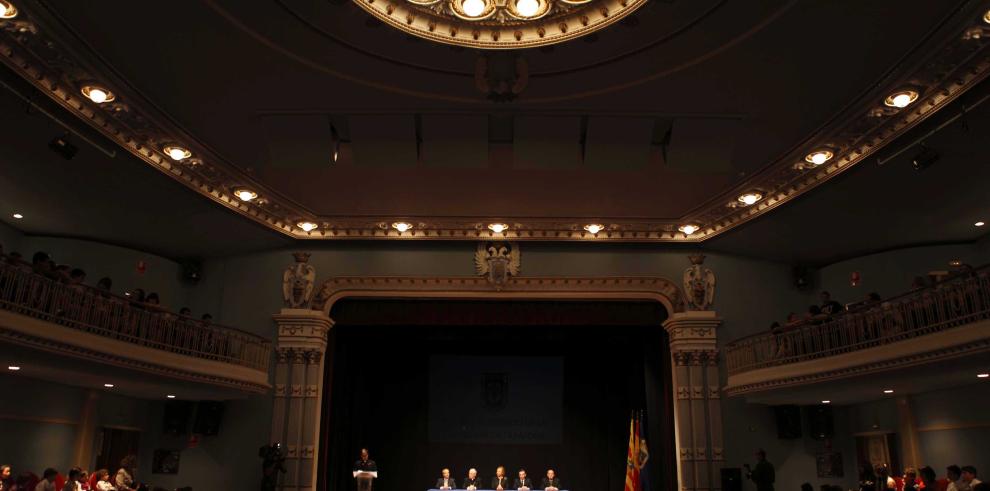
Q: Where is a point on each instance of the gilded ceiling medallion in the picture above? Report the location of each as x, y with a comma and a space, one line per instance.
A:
499, 24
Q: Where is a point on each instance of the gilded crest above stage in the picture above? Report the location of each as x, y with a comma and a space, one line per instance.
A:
499, 24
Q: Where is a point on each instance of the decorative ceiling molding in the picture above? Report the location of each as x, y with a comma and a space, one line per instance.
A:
949, 66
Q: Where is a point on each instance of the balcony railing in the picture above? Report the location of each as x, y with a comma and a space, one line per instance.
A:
959, 300
99, 312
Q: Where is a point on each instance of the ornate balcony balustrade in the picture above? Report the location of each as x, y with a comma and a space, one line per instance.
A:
959, 300
101, 313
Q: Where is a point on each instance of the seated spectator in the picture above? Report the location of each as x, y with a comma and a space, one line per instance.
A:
911, 481
104, 286
83, 480
62, 273
793, 320
6, 478
969, 477
867, 478
207, 319
47, 482
829, 307
927, 476
152, 299
953, 473
103, 483
72, 483
883, 476
42, 263
76, 279
185, 311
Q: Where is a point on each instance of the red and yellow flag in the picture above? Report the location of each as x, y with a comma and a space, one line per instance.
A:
632, 457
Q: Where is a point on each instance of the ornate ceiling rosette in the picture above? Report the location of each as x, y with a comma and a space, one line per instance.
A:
499, 24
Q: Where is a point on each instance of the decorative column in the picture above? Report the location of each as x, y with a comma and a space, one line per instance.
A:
86, 429
301, 348
697, 401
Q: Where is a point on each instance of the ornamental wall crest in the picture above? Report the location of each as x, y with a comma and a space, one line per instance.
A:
699, 284
298, 281
497, 261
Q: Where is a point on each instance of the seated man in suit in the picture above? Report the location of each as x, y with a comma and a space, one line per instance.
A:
472, 482
522, 481
500, 482
551, 482
445, 482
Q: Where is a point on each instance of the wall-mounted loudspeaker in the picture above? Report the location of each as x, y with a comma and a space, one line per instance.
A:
820, 425
175, 420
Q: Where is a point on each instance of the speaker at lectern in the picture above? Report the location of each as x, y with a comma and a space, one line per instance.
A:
364, 479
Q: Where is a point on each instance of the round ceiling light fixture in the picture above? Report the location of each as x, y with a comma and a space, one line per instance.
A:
977, 224
19, 216
98, 94
690, 228
177, 153
594, 228
901, 98
750, 198
498, 227
7, 10
245, 195
307, 226
986, 17
819, 157
402, 226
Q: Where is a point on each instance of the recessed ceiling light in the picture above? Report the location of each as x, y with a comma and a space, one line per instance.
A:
901, 98
19, 216
888, 391
594, 228
171, 396
750, 198
690, 228
986, 17
7, 10
306, 226
13, 368
402, 226
977, 224
98, 94
109, 386
826, 402
527, 8
983, 375
245, 195
473, 8
498, 227
177, 153
819, 157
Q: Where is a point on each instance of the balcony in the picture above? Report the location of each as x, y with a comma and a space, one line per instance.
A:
949, 321
45, 317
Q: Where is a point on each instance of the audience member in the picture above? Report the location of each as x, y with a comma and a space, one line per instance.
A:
76, 278
104, 484
883, 476
969, 478
105, 284
829, 306
928, 477
207, 319
911, 482
124, 480
807, 487
6, 479
47, 482
867, 478
953, 473
152, 299
185, 311
72, 483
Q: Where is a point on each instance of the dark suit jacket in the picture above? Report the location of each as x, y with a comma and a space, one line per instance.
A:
526, 482
547, 483
505, 482
472, 482
369, 466
450, 483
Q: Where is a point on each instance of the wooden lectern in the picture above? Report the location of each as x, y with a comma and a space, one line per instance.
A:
364, 479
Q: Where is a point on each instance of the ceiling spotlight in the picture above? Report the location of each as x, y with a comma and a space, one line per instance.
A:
498, 227
306, 226
98, 94
62, 146
826, 402
986, 17
888, 391
473, 8
19, 216
13, 368
245, 195
977, 224
750, 198
690, 229
177, 153
7, 10
901, 99
170, 396
819, 157
109, 386
527, 8
594, 228
402, 226
925, 158
983, 375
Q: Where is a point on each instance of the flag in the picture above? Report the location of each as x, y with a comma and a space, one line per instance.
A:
645, 483
632, 458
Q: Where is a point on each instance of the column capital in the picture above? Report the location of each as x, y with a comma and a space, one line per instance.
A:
302, 330
694, 330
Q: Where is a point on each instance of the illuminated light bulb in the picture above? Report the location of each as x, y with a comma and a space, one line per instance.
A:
97, 96
245, 195
13, 368
901, 99
171, 396
473, 8
819, 157
690, 229
109, 386
983, 375
498, 227
177, 153
750, 198
306, 226
826, 402
19, 216
977, 224
402, 226
527, 8
594, 228
7, 10
888, 391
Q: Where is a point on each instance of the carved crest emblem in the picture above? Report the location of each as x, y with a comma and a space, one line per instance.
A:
498, 261
495, 390
699, 284
298, 281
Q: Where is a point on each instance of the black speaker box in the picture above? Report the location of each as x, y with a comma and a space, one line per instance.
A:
208, 417
176, 418
820, 425
192, 271
788, 422
731, 479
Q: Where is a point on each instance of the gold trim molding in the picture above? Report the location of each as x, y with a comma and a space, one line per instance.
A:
951, 64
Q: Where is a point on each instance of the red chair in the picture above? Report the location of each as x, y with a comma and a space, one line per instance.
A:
941, 484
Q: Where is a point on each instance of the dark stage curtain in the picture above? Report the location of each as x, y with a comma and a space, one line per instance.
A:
378, 383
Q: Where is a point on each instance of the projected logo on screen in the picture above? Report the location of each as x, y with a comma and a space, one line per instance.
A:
496, 399
495, 390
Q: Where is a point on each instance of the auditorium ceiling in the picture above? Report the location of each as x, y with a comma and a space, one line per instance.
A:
316, 120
